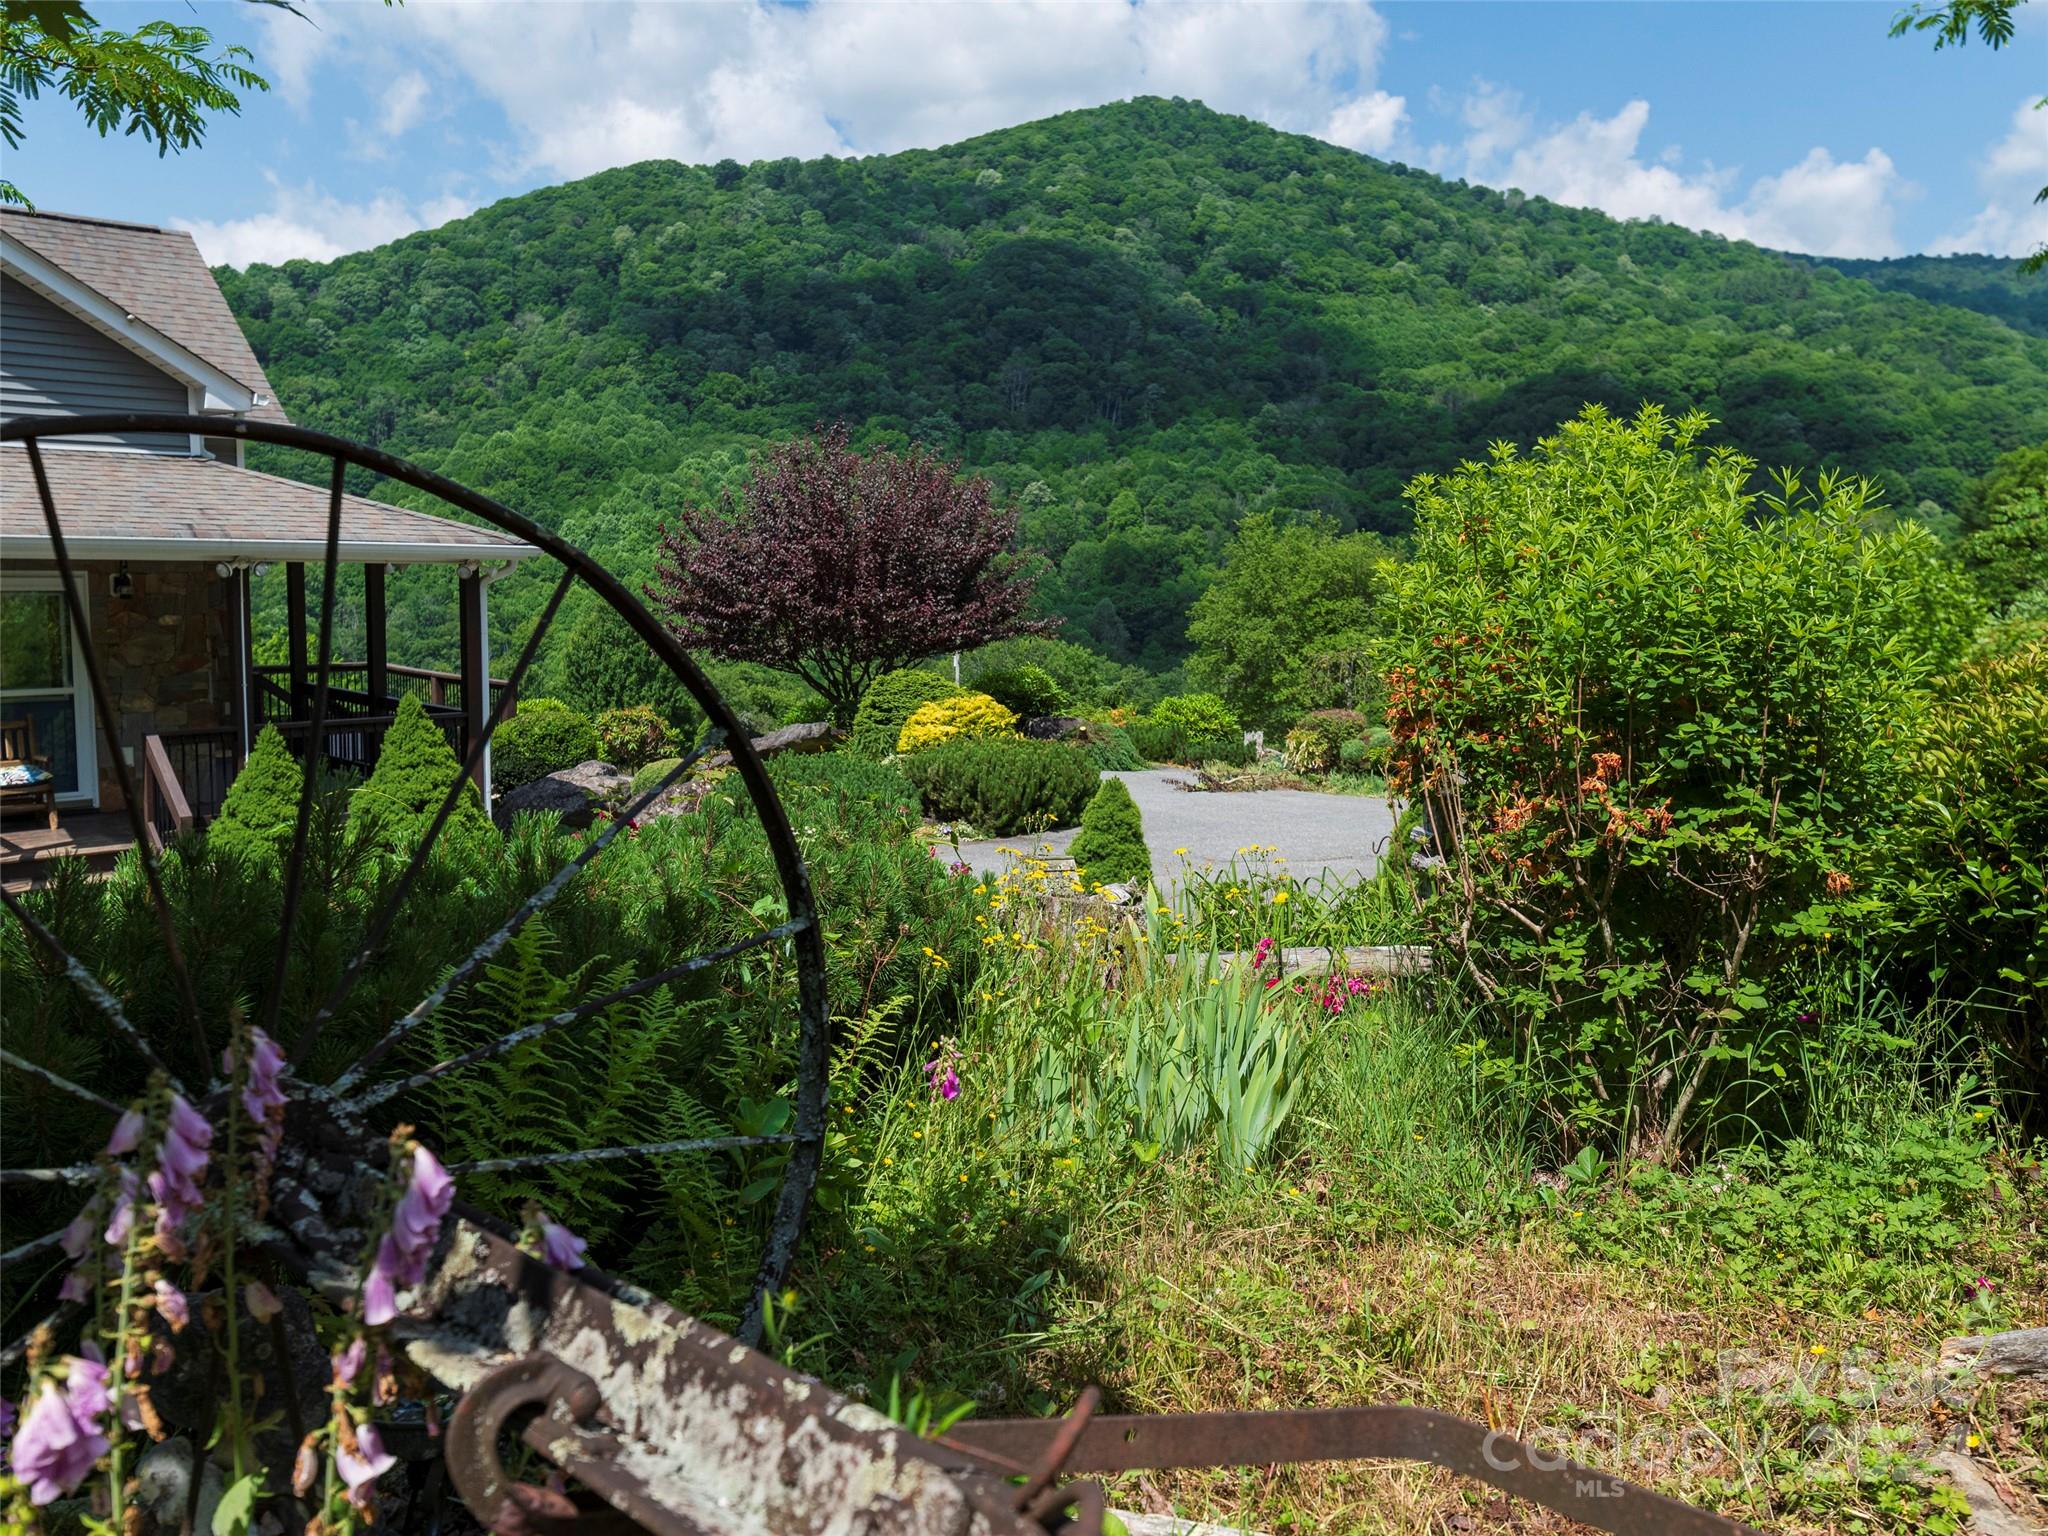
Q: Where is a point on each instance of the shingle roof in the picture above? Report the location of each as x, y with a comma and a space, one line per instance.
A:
153, 506
156, 275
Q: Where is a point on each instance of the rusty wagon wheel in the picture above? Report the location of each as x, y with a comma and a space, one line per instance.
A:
353, 1110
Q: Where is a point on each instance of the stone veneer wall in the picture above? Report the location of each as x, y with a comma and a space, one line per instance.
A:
168, 654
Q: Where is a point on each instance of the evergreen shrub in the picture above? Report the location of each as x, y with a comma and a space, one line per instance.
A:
261, 811
1026, 691
414, 769
1196, 714
544, 736
1003, 786
890, 701
1111, 750
1355, 756
1156, 742
632, 736
1233, 751
1110, 849
964, 715
651, 774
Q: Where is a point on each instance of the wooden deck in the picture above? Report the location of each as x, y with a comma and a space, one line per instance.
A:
99, 837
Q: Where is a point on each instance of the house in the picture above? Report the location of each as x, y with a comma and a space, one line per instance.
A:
167, 534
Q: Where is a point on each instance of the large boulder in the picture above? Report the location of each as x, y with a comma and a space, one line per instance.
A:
814, 736
576, 794
1055, 727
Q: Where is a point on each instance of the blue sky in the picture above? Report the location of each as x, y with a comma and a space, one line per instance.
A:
1796, 125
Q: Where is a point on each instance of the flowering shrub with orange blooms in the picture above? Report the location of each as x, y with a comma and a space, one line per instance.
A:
1651, 715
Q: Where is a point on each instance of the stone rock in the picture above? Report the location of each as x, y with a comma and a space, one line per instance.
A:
576, 794
1054, 727
817, 736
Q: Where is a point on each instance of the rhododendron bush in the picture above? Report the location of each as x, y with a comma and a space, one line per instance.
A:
1651, 713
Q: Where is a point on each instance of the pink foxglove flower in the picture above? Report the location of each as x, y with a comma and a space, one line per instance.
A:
121, 1225
60, 1440
127, 1134
349, 1361
262, 1301
402, 1253
171, 1306
180, 1164
263, 1097
361, 1468
559, 1246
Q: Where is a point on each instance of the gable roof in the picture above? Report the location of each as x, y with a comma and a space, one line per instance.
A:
158, 277
155, 506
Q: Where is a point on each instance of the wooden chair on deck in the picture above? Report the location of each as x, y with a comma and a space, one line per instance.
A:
25, 777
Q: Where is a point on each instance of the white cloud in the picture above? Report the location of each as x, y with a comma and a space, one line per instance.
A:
1820, 205
304, 222
587, 87
2010, 223
403, 104
1369, 123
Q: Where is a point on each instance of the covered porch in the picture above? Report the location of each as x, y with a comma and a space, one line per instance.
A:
168, 555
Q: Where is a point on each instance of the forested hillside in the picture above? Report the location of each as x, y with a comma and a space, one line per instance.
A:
1143, 320
1991, 285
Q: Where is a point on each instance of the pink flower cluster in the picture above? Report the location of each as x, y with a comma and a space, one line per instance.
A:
402, 1253
559, 1246
944, 1072
61, 1438
262, 1096
1339, 991
180, 1164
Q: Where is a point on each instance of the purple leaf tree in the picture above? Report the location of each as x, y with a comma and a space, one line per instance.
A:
838, 566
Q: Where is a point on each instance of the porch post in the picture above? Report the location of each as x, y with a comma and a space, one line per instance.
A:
295, 626
373, 631
476, 682
246, 636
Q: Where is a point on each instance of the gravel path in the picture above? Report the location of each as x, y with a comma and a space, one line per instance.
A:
1314, 833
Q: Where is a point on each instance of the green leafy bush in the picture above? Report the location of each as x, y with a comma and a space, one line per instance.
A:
1355, 756
1003, 787
889, 702
962, 716
261, 811
1968, 860
544, 736
632, 736
1651, 713
414, 769
1318, 738
1233, 751
1111, 750
1156, 742
1196, 714
1026, 691
1110, 849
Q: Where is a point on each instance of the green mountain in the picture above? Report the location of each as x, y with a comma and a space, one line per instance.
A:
1991, 285
1143, 320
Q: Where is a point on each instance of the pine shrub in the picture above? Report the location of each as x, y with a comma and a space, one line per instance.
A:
1233, 750
1026, 690
1111, 750
413, 773
1003, 786
962, 716
632, 736
1155, 741
1196, 715
544, 736
261, 811
1111, 847
890, 701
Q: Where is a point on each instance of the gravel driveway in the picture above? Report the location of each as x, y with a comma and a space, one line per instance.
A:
1341, 834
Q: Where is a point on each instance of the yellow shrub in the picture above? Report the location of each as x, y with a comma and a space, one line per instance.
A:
944, 720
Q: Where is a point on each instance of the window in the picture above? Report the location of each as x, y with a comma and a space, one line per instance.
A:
43, 680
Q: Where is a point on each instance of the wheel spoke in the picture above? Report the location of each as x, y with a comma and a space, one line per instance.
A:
63, 1084
103, 706
381, 929
32, 1247
424, 1009
519, 1037
316, 753
77, 1173
89, 984
602, 1154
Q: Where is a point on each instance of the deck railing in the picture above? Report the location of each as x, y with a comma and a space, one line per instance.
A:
165, 812
201, 764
